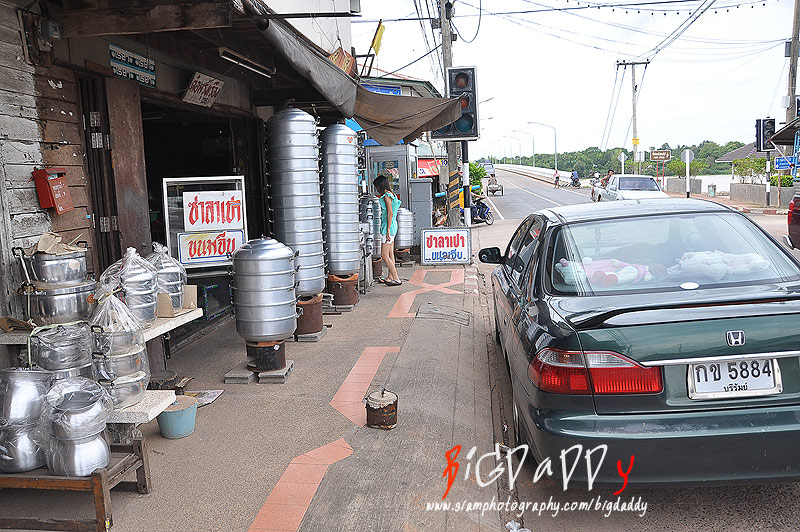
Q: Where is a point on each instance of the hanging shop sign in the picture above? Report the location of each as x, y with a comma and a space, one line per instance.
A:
446, 246
203, 90
205, 219
343, 60
130, 65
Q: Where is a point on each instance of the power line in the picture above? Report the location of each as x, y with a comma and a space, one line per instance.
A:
682, 27
480, 17
423, 56
614, 113
610, 104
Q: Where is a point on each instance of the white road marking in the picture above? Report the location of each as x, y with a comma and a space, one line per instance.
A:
534, 194
525, 174
495, 209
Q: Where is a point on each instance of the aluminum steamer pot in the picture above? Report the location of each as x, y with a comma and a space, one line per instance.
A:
22, 448
127, 390
111, 366
63, 347
22, 394
52, 304
78, 458
57, 269
86, 370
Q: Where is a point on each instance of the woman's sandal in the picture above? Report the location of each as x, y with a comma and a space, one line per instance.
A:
381, 280
392, 282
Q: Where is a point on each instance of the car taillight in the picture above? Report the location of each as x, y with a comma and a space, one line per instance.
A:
603, 373
556, 371
791, 208
615, 374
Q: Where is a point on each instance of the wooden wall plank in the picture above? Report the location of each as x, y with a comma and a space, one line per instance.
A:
15, 152
60, 132
10, 35
58, 111
72, 220
11, 57
16, 98
36, 153
23, 225
62, 154
19, 175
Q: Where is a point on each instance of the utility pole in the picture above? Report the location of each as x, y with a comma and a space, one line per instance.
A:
453, 182
635, 138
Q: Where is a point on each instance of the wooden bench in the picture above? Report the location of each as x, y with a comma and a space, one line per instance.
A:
124, 459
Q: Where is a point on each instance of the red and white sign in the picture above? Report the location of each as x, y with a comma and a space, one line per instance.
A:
197, 248
203, 90
446, 246
212, 211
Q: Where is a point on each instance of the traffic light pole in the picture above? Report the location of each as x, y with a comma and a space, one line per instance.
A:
467, 185
453, 181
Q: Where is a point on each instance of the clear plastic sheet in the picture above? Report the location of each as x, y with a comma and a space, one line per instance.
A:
127, 391
77, 408
110, 365
23, 447
138, 280
22, 395
116, 329
170, 273
62, 347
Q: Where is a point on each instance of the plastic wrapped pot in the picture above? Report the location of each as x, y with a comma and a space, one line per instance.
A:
128, 390
62, 347
139, 283
23, 447
80, 457
77, 408
22, 395
170, 274
115, 328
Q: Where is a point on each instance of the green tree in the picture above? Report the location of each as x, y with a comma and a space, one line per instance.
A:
476, 173
677, 167
750, 169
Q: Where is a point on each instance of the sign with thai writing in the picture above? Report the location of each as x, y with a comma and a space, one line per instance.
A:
446, 246
212, 211
203, 90
208, 247
130, 65
660, 155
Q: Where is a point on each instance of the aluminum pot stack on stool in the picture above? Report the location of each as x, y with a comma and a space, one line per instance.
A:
57, 287
65, 350
405, 235
294, 189
119, 356
264, 303
77, 410
341, 209
377, 262
23, 435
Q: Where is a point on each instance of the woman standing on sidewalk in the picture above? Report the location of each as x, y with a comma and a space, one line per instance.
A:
389, 205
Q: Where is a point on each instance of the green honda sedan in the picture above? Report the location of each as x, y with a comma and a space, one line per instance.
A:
668, 330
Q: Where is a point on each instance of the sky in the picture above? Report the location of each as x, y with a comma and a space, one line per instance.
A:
558, 67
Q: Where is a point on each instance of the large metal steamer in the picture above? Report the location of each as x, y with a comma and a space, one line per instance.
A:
264, 301
340, 193
293, 154
405, 229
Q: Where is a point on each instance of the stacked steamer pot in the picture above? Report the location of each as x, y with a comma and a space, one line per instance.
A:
23, 436
120, 356
263, 289
138, 280
170, 274
405, 229
377, 262
76, 413
57, 287
65, 350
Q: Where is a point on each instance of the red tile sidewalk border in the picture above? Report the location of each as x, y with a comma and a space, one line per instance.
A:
406, 299
349, 396
290, 498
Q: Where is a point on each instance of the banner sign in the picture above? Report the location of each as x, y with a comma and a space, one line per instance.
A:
446, 246
208, 211
130, 65
203, 90
213, 246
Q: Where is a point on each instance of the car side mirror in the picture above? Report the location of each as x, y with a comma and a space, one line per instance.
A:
491, 255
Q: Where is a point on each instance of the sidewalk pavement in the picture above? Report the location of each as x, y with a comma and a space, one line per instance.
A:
297, 456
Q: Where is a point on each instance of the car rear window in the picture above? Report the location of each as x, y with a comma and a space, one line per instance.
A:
638, 183
664, 253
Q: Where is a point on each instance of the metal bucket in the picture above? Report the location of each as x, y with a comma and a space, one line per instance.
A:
382, 409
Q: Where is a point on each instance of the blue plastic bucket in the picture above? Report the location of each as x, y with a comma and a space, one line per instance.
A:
177, 421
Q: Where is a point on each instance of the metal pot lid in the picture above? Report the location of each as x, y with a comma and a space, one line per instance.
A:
74, 390
263, 248
57, 289
121, 381
42, 256
381, 399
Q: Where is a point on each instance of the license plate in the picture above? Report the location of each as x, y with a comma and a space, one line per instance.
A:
734, 378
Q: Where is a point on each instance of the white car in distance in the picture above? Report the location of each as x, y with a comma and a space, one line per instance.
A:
628, 187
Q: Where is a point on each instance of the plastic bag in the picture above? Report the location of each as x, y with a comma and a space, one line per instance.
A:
62, 347
116, 329
77, 408
23, 447
22, 395
127, 390
171, 275
138, 280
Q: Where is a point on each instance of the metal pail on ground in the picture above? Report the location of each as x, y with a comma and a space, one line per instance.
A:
382, 409
177, 421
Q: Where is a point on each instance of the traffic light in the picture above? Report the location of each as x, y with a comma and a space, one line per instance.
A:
461, 83
768, 129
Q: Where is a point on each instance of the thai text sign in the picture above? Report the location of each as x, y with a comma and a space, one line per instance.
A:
212, 246
660, 155
130, 65
446, 246
203, 90
212, 211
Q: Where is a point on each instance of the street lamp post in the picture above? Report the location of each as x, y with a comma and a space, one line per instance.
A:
555, 139
533, 145
519, 143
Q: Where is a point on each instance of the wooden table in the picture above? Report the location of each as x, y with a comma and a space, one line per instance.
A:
124, 459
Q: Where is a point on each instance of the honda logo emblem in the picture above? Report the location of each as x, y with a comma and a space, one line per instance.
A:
735, 338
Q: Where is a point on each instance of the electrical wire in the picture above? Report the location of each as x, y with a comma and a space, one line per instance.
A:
680, 30
431, 60
480, 17
610, 104
614, 113
412, 62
